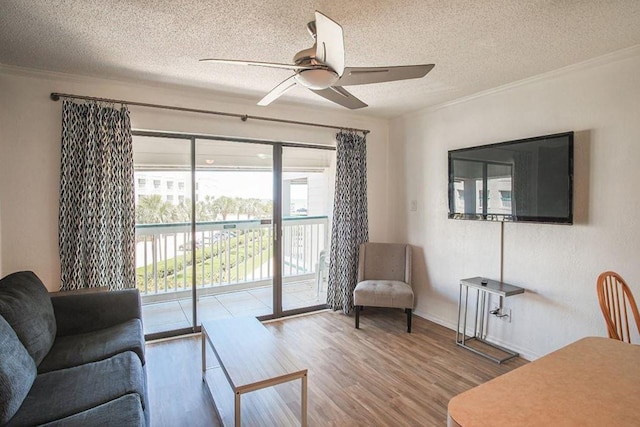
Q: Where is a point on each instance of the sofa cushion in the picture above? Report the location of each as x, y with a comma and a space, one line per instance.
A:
78, 312
17, 372
74, 350
26, 306
59, 394
123, 411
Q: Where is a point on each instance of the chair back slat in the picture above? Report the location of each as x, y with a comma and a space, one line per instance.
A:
616, 300
623, 302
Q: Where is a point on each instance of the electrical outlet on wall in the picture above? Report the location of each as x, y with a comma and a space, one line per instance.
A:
506, 312
503, 313
413, 206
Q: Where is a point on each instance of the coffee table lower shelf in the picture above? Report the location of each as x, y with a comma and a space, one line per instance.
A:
273, 409
255, 379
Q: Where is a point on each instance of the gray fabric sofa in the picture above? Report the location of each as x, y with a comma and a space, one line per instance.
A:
69, 358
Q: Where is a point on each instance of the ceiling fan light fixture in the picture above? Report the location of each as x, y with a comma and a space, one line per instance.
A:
317, 79
321, 68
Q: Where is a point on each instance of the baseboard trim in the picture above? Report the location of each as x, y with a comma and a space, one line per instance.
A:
524, 353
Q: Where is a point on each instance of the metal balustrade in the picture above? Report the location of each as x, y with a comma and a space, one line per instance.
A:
229, 255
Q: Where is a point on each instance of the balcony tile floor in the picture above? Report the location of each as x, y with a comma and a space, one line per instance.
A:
177, 314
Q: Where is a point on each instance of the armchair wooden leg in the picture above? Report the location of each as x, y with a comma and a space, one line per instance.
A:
357, 317
408, 311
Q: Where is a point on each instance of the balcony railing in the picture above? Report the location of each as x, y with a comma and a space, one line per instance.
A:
229, 255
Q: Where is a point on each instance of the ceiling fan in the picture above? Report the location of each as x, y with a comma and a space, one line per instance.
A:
321, 68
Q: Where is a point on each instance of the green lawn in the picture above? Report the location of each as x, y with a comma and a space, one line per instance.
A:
217, 263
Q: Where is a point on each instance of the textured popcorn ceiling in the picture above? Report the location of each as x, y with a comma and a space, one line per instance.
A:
476, 45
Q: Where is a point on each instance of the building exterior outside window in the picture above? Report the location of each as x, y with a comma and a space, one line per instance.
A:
505, 198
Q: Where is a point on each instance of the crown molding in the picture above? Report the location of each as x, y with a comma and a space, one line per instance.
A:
618, 55
16, 70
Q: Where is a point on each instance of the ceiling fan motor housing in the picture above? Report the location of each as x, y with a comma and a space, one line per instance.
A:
306, 57
317, 78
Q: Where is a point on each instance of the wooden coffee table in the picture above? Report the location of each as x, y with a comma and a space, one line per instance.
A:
250, 359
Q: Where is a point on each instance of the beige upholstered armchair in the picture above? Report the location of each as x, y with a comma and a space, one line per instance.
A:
384, 278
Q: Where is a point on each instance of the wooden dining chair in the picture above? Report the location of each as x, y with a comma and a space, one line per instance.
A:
615, 301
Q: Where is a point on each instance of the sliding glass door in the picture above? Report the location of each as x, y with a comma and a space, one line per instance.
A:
229, 228
163, 232
307, 201
234, 229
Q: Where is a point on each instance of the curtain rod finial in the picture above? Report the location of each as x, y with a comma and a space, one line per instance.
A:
54, 96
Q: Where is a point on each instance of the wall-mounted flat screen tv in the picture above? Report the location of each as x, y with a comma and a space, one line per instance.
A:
525, 180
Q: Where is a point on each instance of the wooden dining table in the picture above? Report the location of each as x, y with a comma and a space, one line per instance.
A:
594, 381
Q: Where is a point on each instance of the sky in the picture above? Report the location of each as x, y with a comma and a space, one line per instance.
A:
247, 185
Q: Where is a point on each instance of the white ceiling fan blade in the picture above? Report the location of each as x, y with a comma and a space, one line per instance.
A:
278, 91
329, 43
257, 64
340, 96
366, 75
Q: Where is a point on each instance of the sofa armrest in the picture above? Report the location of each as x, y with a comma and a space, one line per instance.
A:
77, 313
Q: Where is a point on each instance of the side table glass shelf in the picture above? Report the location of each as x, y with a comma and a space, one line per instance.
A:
483, 286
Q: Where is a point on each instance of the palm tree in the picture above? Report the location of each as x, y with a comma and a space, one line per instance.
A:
225, 205
243, 206
266, 208
253, 208
153, 210
209, 209
183, 211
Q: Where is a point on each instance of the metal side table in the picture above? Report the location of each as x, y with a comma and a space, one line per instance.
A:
483, 287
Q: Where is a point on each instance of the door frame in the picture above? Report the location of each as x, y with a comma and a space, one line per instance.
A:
277, 221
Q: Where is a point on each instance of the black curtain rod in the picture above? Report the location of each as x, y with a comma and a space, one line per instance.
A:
244, 117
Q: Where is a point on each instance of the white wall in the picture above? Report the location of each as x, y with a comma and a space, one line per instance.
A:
30, 125
558, 265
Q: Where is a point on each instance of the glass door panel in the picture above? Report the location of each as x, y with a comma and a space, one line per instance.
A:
205, 237
163, 252
307, 202
234, 231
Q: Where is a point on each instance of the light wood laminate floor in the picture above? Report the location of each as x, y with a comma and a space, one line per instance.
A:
376, 376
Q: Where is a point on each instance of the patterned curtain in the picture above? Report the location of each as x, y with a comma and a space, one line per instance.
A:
350, 221
97, 219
